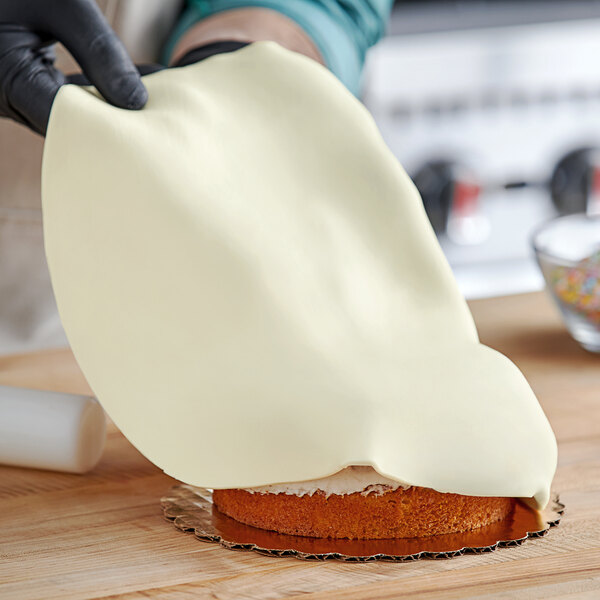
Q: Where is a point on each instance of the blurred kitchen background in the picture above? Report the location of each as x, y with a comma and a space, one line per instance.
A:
493, 107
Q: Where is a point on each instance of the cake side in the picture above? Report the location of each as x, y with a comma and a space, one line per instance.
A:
397, 513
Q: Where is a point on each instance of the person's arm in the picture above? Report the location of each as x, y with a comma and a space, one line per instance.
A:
337, 33
246, 25
29, 80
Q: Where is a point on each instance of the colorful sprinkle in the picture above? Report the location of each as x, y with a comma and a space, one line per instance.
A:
579, 287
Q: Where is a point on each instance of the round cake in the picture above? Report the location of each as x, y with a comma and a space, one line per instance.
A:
358, 503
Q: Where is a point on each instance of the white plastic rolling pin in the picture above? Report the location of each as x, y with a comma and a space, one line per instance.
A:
50, 430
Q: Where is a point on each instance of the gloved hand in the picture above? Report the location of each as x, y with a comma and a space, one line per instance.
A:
29, 80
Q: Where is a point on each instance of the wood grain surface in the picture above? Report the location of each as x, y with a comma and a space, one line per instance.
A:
102, 535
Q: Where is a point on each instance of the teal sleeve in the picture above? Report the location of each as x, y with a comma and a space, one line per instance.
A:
343, 30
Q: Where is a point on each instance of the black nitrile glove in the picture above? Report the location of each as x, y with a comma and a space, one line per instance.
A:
207, 50
29, 80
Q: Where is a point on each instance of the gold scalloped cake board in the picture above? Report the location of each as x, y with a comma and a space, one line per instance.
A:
191, 510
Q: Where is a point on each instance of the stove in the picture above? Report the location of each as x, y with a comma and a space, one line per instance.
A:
499, 128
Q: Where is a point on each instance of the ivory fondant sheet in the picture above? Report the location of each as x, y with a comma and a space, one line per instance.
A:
250, 284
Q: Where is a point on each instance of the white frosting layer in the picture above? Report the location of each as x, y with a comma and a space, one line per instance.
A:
350, 480
251, 286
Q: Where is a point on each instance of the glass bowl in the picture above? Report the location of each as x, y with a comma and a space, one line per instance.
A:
568, 252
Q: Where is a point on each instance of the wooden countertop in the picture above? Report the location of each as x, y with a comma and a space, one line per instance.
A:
103, 535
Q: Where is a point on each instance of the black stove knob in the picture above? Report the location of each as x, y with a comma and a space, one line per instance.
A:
575, 183
447, 189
